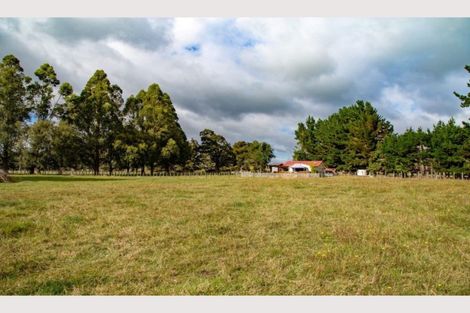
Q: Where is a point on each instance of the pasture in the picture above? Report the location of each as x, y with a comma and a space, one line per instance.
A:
234, 236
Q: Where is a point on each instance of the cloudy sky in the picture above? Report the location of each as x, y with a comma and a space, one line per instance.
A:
256, 78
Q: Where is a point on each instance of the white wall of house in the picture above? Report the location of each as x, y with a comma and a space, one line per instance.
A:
295, 166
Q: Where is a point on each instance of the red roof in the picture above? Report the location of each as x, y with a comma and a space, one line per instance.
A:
309, 163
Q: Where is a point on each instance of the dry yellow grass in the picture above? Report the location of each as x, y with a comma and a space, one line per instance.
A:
232, 235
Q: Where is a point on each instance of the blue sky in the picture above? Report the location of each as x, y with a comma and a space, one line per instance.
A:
256, 78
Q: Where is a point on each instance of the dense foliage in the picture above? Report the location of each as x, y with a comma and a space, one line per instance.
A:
357, 137
45, 125
346, 140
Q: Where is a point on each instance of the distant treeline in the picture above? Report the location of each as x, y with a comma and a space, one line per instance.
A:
45, 125
357, 137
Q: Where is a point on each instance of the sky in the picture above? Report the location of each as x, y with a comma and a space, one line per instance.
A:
256, 78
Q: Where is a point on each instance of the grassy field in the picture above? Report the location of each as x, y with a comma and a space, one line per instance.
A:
232, 235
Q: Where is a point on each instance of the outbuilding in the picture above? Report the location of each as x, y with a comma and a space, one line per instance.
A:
361, 173
298, 166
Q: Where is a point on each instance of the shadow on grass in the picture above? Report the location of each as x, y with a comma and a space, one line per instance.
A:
59, 178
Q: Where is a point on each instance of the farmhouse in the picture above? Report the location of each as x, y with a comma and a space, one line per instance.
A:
298, 166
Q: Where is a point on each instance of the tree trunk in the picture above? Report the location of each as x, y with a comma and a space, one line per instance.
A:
4, 178
96, 161
5, 159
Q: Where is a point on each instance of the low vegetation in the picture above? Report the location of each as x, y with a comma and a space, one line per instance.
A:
4, 178
233, 235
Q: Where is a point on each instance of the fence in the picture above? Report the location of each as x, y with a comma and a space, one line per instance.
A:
282, 175
437, 175
120, 173
442, 175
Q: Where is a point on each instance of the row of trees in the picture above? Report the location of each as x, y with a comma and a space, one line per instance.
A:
357, 137
45, 125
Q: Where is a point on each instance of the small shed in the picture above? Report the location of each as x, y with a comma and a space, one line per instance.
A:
361, 172
274, 167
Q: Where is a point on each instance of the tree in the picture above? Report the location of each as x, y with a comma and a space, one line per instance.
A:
366, 129
194, 160
465, 99
242, 155
161, 140
252, 156
465, 103
14, 108
67, 147
96, 113
216, 152
43, 91
346, 139
39, 151
40, 147
447, 146
306, 140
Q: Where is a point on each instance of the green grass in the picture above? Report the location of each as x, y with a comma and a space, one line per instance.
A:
232, 235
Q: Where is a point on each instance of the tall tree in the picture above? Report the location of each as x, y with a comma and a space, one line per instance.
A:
366, 129
346, 139
216, 152
97, 115
465, 103
14, 108
41, 133
43, 91
161, 140
465, 99
306, 140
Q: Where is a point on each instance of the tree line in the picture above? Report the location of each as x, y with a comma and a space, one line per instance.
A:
357, 137
46, 125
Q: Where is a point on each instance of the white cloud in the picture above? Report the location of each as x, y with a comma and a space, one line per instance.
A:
257, 78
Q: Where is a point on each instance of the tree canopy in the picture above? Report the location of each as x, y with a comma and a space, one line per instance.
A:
45, 124
345, 140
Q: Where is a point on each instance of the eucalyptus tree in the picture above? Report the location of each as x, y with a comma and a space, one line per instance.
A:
43, 91
40, 135
14, 107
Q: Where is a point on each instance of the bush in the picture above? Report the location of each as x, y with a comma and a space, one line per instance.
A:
4, 178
